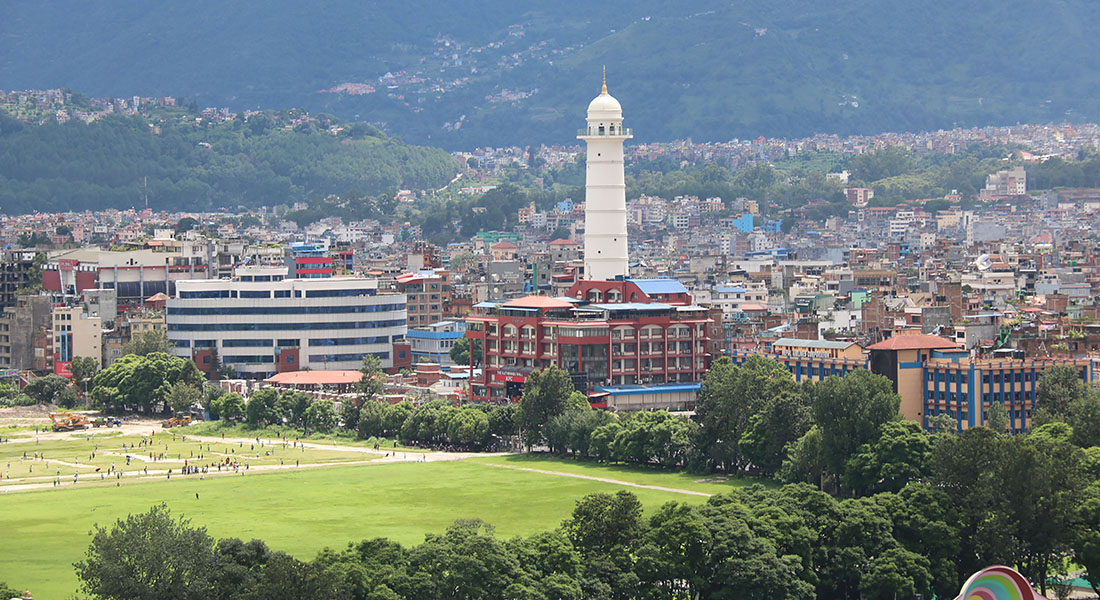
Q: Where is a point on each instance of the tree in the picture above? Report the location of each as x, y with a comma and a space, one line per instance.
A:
216, 372
83, 369
755, 407
290, 407
231, 406
850, 411
969, 468
7, 591
182, 396
926, 523
186, 224
320, 416
897, 573
1043, 513
395, 416
601, 522
148, 342
467, 561
805, 460
468, 426
373, 378
1084, 417
780, 421
900, 455
210, 396
142, 381
545, 394
502, 420
47, 390
1086, 540
149, 556
460, 351
996, 418
349, 415
261, 407
371, 416
1058, 387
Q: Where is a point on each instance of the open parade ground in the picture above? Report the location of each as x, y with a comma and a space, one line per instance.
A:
297, 499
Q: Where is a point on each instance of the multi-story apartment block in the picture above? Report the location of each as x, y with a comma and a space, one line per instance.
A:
610, 335
75, 334
260, 323
428, 292
16, 269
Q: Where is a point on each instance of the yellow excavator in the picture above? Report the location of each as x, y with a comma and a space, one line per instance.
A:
176, 422
68, 421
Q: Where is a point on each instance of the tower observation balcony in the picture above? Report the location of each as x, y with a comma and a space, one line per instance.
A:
608, 132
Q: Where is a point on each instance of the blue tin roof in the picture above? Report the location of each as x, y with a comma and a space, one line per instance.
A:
632, 306
659, 286
665, 388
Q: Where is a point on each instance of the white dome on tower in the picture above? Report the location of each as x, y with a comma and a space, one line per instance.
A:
604, 107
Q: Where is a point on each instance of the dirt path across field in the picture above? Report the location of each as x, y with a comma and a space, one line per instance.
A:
603, 480
378, 457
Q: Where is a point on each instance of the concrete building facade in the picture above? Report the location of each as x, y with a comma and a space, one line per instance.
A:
261, 327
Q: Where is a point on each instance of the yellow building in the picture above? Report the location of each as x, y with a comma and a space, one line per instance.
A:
811, 360
935, 376
75, 334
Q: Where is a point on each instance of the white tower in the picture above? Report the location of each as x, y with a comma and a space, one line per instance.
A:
605, 190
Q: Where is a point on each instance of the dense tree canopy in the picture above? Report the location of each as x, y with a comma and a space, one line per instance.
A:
77, 166
142, 382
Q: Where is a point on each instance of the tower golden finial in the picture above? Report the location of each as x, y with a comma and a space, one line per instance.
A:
604, 80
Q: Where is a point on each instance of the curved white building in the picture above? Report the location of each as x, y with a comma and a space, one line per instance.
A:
605, 249
261, 323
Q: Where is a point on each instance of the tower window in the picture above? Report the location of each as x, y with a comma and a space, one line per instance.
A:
601, 130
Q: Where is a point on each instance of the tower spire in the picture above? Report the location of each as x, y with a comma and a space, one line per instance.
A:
604, 80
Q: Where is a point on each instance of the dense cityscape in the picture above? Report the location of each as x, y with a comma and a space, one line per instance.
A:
859, 367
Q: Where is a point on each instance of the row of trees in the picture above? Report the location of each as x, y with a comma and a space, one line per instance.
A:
909, 513
1032, 501
747, 417
433, 422
791, 542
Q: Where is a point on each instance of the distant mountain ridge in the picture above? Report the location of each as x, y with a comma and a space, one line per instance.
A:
458, 75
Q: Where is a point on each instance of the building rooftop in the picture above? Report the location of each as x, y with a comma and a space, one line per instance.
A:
914, 342
664, 388
537, 302
659, 286
812, 343
630, 306
315, 378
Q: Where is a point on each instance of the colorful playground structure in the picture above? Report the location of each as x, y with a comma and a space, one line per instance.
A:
997, 583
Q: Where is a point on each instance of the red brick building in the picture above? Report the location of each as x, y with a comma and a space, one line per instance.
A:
634, 332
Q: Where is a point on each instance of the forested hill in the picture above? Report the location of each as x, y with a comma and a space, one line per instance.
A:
104, 164
499, 72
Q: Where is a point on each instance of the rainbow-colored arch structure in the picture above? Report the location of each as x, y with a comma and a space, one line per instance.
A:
997, 583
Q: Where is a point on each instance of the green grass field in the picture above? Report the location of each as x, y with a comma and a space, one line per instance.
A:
86, 451
216, 428
708, 484
304, 511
